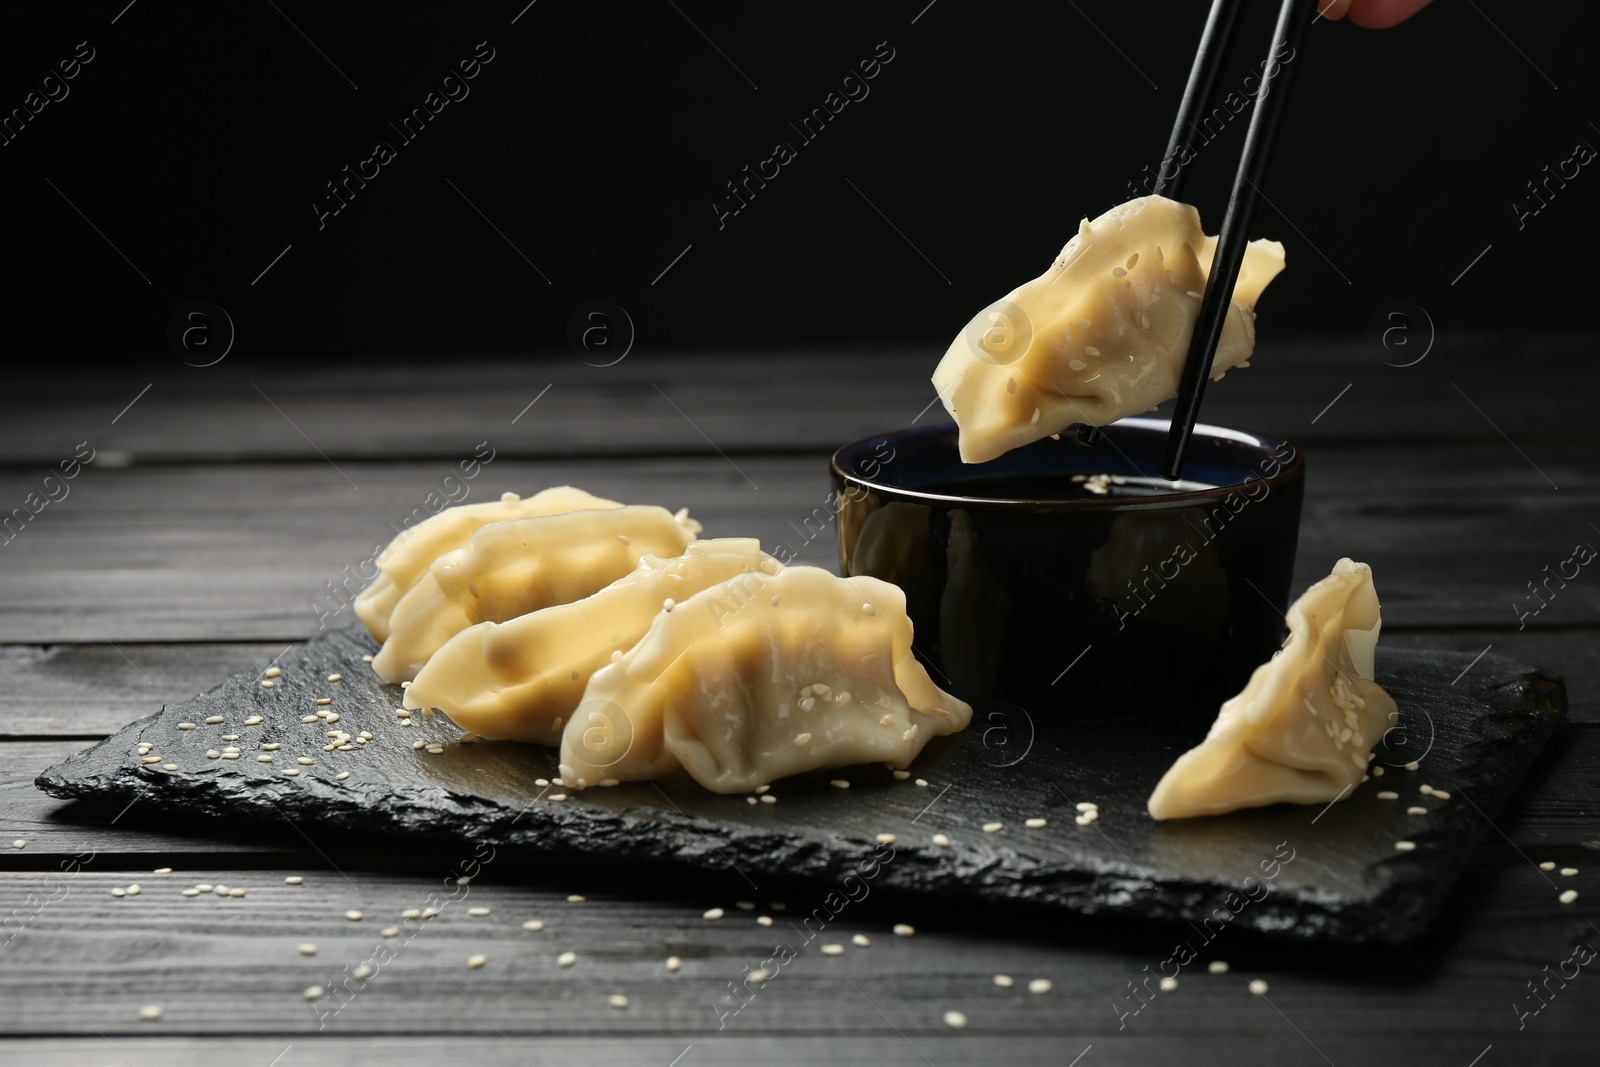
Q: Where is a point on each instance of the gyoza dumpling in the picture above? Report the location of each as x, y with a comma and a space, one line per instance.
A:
758, 678
1303, 729
414, 549
510, 568
521, 680
1102, 334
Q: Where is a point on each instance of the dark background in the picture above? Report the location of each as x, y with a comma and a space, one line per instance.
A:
595, 141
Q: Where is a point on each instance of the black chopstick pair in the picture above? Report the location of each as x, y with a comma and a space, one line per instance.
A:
1294, 20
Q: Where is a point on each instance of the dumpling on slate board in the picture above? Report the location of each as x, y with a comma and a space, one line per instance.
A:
1304, 727
1102, 334
521, 680
510, 568
761, 677
411, 552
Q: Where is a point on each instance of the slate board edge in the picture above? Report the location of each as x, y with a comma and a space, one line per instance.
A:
1391, 916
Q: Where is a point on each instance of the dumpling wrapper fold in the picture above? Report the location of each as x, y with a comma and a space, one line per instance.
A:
1303, 729
413, 550
758, 678
522, 679
1100, 335
510, 568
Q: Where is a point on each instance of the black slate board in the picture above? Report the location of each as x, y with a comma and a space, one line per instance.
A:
1331, 874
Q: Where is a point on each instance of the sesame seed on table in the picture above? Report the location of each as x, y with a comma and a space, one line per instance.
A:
560, 959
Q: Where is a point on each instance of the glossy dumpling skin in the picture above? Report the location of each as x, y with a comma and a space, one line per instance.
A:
521, 680
411, 553
1303, 729
759, 678
510, 568
1100, 335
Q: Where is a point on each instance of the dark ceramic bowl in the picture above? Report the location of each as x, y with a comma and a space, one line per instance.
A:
1025, 585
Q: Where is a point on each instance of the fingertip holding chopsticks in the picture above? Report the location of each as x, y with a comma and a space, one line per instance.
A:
1288, 38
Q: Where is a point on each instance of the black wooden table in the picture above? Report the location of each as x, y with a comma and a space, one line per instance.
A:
223, 509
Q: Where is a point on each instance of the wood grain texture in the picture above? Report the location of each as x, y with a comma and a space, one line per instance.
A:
653, 402
185, 553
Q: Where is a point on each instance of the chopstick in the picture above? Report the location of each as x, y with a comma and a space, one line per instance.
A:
1294, 19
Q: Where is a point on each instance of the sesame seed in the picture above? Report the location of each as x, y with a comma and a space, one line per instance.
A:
955, 1020
428, 913
149, 759
477, 912
341, 776
162, 870
1440, 794
1168, 984
205, 887
833, 950
338, 678
230, 755
607, 783
1388, 794
264, 758
1568, 872
904, 930
309, 718
1004, 981
861, 941
272, 672
213, 720
1416, 810
714, 913
186, 726
576, 898
1547, 865
1040, 985
923, 782
1217, 966
1035, 824
557, 797
212, 753
763, 920
363, 972
941, 840
760, 974
1413, 766
324, 700
533, 926
993, 827
169, 766
353, 915
1568, 897
673, 964
886, 839
314, 992
617, 1000
1377, 772
839, 783
1258, 987
308, 949
1426, 790
291, 772
1090, 350
419, 744
266, 685
474, 962
118, 891
366, 659
150, 1013
744, 905
231, 892
1087, 806
566, 959
1405, 846
902, 775
752, 801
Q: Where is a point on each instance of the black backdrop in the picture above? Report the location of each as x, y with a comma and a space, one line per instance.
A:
586, 155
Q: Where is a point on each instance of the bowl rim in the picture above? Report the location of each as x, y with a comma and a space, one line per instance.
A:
1289, 472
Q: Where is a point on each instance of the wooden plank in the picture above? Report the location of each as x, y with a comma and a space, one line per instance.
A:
973, 1050
199, 553
81, 961
811, 400
91, 691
